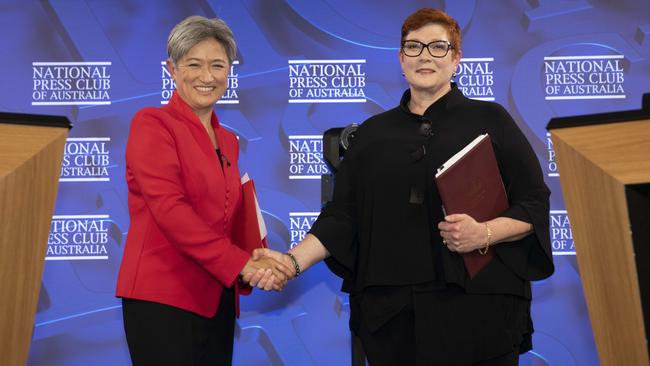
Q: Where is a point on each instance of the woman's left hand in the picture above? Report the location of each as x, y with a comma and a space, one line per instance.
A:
461, 233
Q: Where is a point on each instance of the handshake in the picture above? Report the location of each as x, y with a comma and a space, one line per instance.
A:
269, 269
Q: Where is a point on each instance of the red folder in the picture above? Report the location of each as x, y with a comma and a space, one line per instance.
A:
249, 230
470, 183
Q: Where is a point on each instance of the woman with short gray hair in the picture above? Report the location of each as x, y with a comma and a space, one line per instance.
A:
180, 272
196, 28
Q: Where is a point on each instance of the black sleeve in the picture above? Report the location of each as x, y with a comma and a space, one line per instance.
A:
336, 227
529, 258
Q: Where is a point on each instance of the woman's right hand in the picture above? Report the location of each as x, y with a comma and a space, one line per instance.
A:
266, 273
306, 253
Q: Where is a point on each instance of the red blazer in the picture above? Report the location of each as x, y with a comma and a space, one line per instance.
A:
179, 250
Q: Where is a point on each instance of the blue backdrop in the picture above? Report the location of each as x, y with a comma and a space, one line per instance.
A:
302, 67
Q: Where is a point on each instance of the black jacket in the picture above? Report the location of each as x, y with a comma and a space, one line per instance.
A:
381, 226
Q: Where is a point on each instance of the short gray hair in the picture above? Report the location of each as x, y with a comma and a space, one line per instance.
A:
195, 29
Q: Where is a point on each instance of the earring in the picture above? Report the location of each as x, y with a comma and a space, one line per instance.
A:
403, 74
453, 74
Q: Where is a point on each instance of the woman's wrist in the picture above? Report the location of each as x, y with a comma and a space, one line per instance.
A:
296, 266
308, 252
488, 239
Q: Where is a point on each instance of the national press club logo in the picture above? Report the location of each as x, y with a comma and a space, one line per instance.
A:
299, 225
584, 77
475, 78
306, 157
78, 237
551, 165
71, 83
561, 235
327, 81
86, 159
230, 96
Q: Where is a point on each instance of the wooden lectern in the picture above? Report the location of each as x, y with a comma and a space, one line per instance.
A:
604, 166
31, 150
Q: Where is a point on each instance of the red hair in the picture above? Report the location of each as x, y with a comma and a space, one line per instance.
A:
426, 16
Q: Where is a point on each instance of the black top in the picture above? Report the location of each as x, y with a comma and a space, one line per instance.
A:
220, 157
381, 226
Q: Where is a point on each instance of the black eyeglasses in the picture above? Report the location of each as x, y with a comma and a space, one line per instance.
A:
436, 49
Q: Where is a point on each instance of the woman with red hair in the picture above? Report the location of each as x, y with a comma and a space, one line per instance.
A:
412, 301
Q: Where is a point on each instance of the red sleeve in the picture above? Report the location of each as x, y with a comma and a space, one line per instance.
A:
153, 162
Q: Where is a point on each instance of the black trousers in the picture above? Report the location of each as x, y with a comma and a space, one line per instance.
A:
443, 328
160, 335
